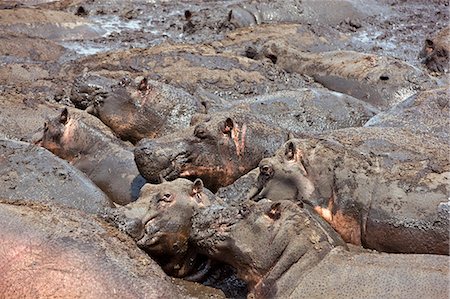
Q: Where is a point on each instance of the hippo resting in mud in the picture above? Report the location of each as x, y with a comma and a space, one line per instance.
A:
29, 172
279, 249
380, 81
145, 109
181, 197
435, 51
222, 146
384, 186
49, 252
91, 147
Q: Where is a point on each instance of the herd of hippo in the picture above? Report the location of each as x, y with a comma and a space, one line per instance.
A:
224, 149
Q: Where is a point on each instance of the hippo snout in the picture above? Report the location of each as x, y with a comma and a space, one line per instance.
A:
266, 168
134, 228
151, 159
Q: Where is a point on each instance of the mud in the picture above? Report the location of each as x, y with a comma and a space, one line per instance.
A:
210, 49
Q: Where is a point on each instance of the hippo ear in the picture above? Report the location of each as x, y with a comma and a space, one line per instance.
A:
290, 150
275, 211
197, 187
64, 116
429, 43
228, 126
143, 85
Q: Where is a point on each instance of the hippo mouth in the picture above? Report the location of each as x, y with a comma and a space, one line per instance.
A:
176, 166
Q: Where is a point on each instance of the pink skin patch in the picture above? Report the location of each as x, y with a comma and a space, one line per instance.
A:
239, 144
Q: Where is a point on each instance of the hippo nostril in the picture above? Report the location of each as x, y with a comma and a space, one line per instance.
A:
134, 228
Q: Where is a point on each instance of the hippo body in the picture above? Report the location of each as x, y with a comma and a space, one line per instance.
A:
384, 186
279, 249
435, 51
304, 259
92, 148
224, 145
47, 252
380, 81
28, 172
149, 110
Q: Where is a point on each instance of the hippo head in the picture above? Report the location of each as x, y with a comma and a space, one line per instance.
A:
285, 176
160, 222
263, 241
219, 149
55, 136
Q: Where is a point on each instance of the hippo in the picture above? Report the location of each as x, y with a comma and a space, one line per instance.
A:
182, 197
284, 251
218, 150
222, 146
31, 173
384, 186
91, 147
49, 251
435, 52
294, 11
301, 243
377, 185
381, 81
148, 110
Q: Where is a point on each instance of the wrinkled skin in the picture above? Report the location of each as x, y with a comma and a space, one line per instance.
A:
31, 173
380, 81
147, 109
52, 252
92, 148
435, 51
293, 11
284, 251
218, 150
159, 222
383, 187
223, 146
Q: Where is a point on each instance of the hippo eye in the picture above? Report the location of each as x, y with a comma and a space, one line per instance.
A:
45, 127
167, 197
200, 132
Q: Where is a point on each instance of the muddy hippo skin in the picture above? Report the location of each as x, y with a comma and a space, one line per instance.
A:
424, 113
225, 145
308, 110
52, 252
292, 11
380, 81
28, 172
435, 51
218, 150
89, 88
159, 223
146, 109
384, 188
92, 148
284, 251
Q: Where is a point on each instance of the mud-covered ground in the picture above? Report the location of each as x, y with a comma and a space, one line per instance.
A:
207, 48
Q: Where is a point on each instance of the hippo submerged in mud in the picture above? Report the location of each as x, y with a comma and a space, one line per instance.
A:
182, 197
92, 148
435, 51
279, 249
384, 186
380, 81
150, 109
222, 146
